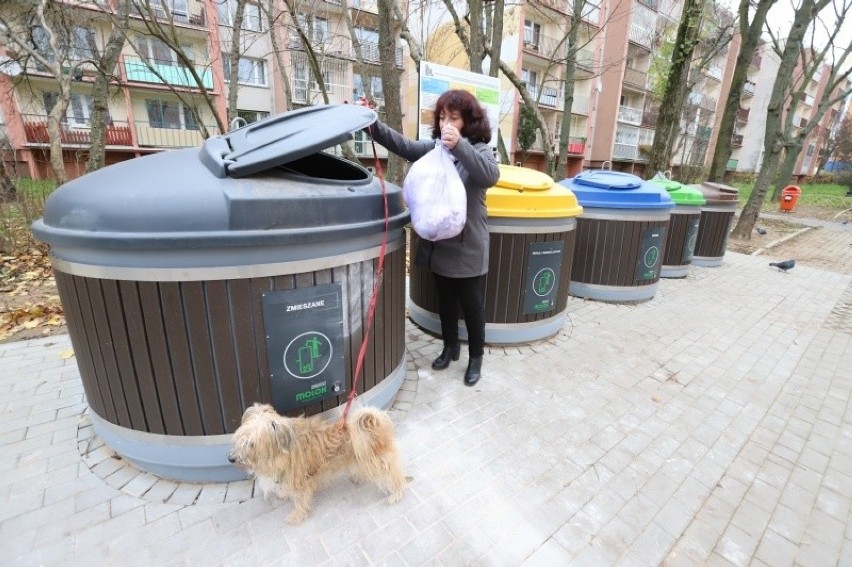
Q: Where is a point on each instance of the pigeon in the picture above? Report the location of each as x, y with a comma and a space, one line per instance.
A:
784, 266
760, 231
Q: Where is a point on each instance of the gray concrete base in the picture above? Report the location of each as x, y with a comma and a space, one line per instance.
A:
707, 261
612, 293
674, 271
204, 458
495, 333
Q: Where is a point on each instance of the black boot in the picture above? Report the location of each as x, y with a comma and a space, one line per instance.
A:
450, 352
474, 371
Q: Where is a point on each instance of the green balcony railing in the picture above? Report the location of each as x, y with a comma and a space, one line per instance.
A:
149, 71
158, 135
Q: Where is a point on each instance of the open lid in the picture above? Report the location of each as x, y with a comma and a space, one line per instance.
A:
283, 138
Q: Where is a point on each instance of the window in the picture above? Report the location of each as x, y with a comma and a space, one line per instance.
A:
252, 115
82, 44
316, 28
375, 86
810, 150
252, 15
369, 41
80, 108
162, 114
249, 71
530, 79
153, 50
532, 33
177, 9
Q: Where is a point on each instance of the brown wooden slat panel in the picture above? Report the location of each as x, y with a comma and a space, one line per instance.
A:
177, 339
492, 289
224, 359
206, 383
246, 342
94, 341
152, 313
713, 233
122, 352
258, 286
107, 352
676, 240
568, 239
66, 286
140, 353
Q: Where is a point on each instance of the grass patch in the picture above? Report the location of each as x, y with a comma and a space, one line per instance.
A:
829, 196
17, 215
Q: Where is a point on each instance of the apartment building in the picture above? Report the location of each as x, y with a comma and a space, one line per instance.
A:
157, 102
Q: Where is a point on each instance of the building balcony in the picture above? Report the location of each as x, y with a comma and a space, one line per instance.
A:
549, 97
576, 146
641, 35
152, 135
161, 72
625, 151
580, 104
630, 115
177, 16
742, 114
35, 127
737, 140
585, 58
748, 88
635, 78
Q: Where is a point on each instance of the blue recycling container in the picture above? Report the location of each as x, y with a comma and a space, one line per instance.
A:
621, 236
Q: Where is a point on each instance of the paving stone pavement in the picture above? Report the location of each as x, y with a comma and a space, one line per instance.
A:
709, 426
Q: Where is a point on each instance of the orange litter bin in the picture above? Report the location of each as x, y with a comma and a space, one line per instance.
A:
789, 197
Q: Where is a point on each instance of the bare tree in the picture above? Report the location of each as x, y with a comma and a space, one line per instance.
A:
105, 63
159, 22
41, 34
774, 140
750, 32
672, 103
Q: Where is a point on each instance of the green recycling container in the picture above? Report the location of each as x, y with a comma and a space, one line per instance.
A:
683, 227
532, 222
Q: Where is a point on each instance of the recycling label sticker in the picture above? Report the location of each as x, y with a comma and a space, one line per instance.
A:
304, 342
542, 283
650, 253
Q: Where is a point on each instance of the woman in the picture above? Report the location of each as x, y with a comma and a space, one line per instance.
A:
458, 264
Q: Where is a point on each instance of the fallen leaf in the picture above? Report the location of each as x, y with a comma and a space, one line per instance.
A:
66, 354
656, 400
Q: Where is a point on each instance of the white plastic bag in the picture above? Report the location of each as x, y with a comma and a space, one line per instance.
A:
435, 196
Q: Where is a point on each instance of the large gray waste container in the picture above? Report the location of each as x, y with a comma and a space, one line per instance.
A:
197, 282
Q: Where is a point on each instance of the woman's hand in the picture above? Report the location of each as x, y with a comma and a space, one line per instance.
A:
362, 101
450, 136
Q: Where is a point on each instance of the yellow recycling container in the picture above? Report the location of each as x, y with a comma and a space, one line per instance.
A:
532, 223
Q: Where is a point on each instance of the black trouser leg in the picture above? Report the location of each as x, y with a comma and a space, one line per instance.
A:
470, 293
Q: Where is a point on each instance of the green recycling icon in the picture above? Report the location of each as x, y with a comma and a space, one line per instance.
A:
544, 281
307, 355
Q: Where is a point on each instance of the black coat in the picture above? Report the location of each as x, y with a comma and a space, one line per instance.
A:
465, 255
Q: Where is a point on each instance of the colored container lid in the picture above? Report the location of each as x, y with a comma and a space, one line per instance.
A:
681, 194
526, 193
719, 194
616, 190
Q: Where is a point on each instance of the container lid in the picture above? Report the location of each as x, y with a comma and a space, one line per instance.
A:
681, 194
283, 138
616, 190
526, 193
719, 194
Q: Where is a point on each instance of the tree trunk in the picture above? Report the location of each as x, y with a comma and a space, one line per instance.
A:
477, 41
672, 103
100, 90
558, 172
773, 141
234, 60
54, 133
390, 83
272, 18
750, 34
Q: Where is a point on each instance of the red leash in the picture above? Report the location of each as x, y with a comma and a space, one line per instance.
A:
377, 283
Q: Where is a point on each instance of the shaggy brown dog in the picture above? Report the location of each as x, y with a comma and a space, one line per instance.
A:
295, 457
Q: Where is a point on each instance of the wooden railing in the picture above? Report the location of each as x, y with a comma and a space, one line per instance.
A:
35, 127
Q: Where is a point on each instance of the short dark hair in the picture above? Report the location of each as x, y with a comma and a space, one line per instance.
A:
476, 126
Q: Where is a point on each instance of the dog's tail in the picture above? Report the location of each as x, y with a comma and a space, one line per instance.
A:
375, 449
